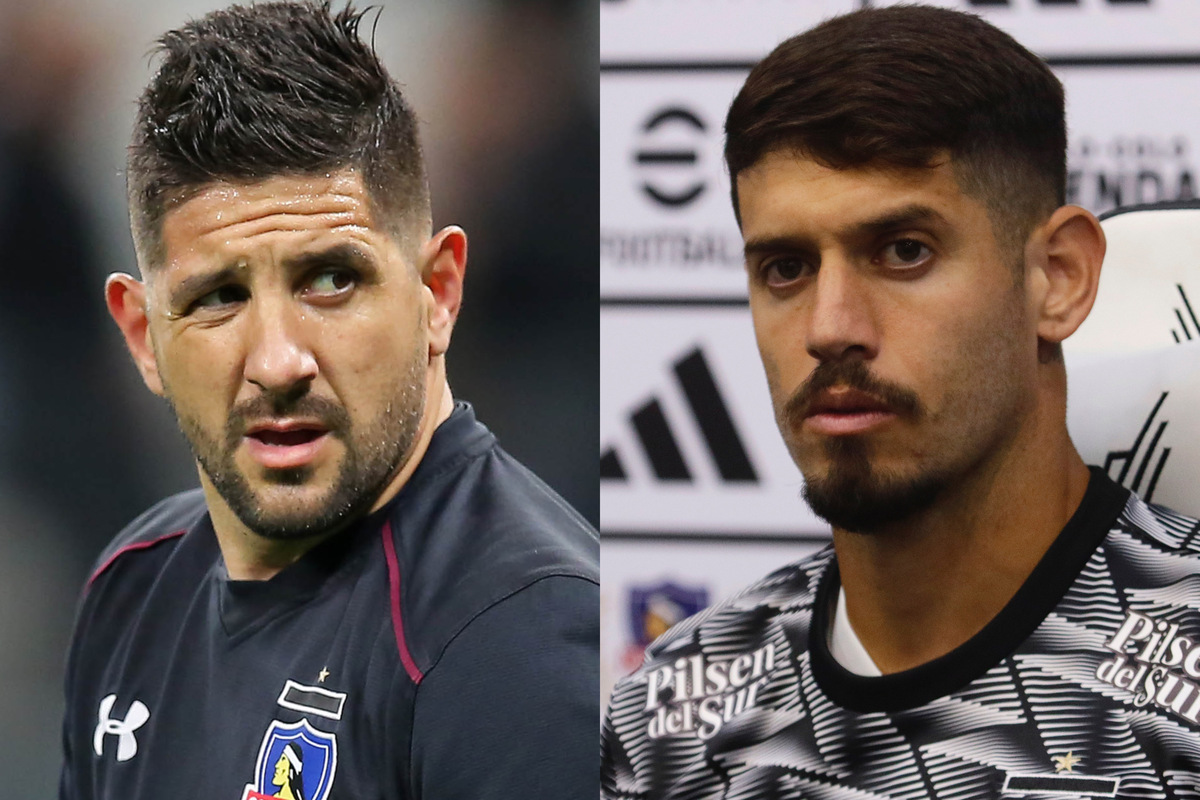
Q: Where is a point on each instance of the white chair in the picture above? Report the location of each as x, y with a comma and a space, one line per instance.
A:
1133, 367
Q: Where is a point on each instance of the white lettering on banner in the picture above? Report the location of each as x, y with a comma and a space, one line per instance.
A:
696, 696
1156, 664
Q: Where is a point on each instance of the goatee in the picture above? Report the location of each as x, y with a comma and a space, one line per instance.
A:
854, 494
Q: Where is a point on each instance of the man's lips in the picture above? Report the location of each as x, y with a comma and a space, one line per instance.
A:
285, 444
841, 411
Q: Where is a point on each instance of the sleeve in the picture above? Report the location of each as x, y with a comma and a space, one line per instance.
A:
68, 784
512, 708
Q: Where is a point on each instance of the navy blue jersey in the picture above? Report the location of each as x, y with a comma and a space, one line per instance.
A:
1086, 684
446, 646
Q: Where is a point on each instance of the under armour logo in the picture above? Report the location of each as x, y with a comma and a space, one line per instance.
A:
122, 729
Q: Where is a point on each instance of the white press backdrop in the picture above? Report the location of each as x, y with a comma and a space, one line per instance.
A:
698, 496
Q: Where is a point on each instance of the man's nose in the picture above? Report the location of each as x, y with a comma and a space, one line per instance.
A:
841, 318
278, 360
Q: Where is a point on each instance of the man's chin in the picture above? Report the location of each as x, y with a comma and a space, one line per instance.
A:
858, 498
283, 512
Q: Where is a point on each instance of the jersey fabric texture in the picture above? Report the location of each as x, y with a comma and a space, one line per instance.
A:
1087, 684
446, 646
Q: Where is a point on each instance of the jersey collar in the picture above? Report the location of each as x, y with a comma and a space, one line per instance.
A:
1043, 589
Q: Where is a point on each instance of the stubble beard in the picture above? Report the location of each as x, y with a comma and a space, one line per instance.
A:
373, 454
853, 492
855, 496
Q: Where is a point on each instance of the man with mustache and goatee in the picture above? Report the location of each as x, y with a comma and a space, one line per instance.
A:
994, 618
366, 597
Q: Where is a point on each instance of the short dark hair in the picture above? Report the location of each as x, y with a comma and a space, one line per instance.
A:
902, 85
279, 88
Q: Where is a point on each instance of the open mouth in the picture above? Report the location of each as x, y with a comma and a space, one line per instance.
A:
286, 444
286, 438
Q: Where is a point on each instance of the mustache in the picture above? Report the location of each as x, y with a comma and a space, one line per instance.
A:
853, 375
331, 415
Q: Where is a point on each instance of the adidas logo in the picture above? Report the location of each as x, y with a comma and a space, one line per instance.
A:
659, 443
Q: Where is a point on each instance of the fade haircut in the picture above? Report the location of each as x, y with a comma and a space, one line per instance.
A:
272, 89
902, 86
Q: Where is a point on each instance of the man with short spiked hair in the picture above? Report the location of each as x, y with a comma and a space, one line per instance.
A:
367, 597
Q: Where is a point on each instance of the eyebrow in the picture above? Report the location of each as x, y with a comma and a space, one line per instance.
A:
904, 217
340, 255
199, 285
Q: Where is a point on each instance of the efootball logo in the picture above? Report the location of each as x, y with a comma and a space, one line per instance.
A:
668, 156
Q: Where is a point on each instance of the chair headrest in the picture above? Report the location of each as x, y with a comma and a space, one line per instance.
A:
1149, 292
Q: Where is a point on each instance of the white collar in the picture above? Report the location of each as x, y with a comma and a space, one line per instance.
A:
844, 645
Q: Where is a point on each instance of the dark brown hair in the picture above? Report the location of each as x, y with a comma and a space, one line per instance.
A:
279, 88
901, 86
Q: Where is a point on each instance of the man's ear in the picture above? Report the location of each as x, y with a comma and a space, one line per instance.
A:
126, 299
1068, 250
443, 265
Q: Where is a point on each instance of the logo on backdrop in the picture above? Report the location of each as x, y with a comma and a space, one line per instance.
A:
1129, 170
1183, 323
1127, 458
669, 168
123, 729
654, 609
658, 441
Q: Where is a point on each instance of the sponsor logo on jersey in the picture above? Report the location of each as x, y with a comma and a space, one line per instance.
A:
123, 729
654, 609
1156, 664
295, 762
697, 696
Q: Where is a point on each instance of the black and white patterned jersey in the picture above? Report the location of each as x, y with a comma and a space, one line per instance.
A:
445, 646
1087, 684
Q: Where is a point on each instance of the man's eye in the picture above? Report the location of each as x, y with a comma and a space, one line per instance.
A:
226, 295
905, 253
783, 271
330, 282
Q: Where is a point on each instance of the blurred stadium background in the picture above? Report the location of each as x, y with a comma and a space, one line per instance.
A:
507, 93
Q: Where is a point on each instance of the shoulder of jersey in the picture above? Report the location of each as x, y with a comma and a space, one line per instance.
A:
496, 515
469, 538
789, 588
1160, 527
166, 520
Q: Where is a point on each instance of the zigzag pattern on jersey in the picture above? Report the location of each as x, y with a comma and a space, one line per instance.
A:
1040, 703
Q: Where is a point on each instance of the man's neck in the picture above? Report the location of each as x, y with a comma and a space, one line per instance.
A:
921, 588
249, 556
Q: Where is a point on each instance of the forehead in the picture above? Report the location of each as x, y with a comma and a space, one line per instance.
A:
787, 193
280, 213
